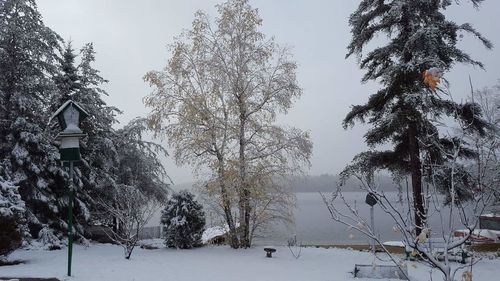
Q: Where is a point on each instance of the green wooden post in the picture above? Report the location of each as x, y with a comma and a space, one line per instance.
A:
70, 217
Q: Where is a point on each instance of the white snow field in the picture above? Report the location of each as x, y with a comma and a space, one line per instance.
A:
210, 263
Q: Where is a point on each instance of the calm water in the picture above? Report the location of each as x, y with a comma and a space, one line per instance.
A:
313, 224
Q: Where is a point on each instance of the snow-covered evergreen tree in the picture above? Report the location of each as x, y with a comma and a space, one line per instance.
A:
419, 38
110, 158
98, 150
67, 79
138, 167
183, 221
27, 63
37, 75
140, 161
12, 227
82, 83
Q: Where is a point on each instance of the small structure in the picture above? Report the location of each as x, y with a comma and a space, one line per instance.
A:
375, 271
269, 252
479, 235
371, 199
490, 221
215, 235
437, 246
69, 115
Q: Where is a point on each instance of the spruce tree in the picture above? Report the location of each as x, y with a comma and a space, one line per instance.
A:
419, 38
12, 222
110, 158
27, 63
96, 174
139, 161
100, 157
67, 79
183, 221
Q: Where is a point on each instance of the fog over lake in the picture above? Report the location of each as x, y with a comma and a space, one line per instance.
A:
313, 224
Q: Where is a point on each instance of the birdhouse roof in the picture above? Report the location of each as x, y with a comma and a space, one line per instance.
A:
65, 105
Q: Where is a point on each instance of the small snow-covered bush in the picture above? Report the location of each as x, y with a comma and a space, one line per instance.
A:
11, 217
47, 240
183, 221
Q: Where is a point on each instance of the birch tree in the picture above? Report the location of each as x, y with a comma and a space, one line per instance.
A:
217, 102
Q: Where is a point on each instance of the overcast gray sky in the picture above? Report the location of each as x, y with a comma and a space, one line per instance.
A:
130, 38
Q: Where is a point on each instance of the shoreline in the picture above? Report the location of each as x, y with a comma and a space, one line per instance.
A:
484, 247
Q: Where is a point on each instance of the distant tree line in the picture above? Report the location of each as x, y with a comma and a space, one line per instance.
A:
328, 183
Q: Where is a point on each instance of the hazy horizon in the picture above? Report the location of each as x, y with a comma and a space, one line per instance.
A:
130, 38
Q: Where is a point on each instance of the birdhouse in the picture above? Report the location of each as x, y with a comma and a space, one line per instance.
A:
371, 199
70, 115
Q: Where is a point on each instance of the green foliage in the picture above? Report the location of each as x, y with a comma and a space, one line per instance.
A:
12, 222
10, 235
183, 221
27, 62
403, 111
38, 73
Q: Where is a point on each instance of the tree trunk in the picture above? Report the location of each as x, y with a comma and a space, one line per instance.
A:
244, 202
248, 211
128, 251
416, 178
226, 206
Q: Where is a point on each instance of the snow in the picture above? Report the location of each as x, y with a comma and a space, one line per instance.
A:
394, 244
155, 243
211, 263
481, 233
213, 232
62, 107
10, 200
47, 240
490, 215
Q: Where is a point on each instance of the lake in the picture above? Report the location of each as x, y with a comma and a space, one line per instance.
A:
314, 225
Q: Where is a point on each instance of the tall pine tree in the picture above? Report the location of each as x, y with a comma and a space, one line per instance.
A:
27, 63
109, 157
37, 75
67, 79
82, 83
419, 38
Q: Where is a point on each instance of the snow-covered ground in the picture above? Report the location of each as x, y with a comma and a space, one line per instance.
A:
210, 263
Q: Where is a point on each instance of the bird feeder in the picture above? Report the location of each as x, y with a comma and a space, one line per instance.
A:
371, 199
70, 115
